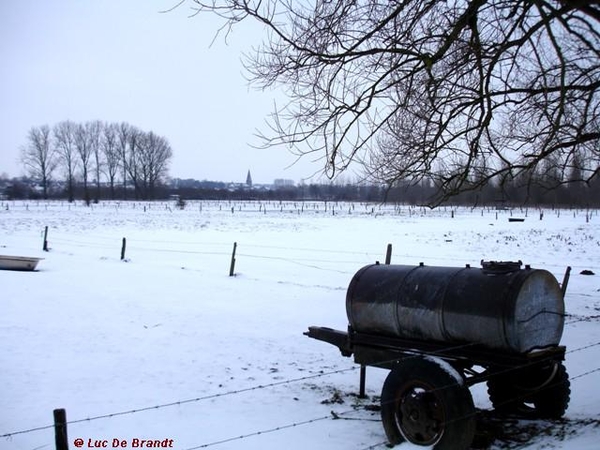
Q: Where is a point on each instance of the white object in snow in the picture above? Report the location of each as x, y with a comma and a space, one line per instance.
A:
18, 262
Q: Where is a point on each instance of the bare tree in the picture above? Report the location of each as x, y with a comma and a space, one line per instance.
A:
38, 156
123, 132
110, 152
84, 151
64, 142
161, 156
459, 91
153, 156
94, 131
134, 137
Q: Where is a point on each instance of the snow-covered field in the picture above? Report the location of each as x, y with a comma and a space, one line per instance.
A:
165, 345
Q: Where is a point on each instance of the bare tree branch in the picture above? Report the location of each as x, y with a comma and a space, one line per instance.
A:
455, 93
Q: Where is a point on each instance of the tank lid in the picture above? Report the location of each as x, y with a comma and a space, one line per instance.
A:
499, 267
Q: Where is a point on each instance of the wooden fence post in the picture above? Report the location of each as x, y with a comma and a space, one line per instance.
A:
388, 254
232, 266
45, 247
60, 429
123, 249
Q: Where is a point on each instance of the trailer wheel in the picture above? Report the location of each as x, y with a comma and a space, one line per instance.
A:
425, 401
552, 401
543, 393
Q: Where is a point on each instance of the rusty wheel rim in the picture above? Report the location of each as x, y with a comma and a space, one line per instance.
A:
420, 414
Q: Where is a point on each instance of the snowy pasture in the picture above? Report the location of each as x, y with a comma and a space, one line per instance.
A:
165, 345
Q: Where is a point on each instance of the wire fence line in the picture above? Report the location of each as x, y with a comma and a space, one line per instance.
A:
276, 204
343, 265
199, 247
229, 207
261, 432
187, 401
260, 387
334, 415
213, 205
274, 384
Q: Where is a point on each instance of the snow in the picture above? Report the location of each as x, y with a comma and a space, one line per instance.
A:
213, 361
447, 368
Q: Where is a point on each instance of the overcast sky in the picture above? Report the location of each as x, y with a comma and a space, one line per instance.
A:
123, 60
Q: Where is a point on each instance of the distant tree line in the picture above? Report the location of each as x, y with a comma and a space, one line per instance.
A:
215, 190
81, 159
583, 195
519, 191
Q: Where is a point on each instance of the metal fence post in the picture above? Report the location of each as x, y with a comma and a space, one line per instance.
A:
60, 429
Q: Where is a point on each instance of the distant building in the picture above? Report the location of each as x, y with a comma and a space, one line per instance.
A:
281, 183
249, 180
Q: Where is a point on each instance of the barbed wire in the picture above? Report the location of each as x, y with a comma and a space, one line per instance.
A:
305, 262
186, 401
391, 207
317, 206
108, 203
301, 261
259, 433
206, 397
595, 344
334, 415
585, 374
269, 385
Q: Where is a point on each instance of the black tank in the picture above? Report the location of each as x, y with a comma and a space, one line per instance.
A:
499, 306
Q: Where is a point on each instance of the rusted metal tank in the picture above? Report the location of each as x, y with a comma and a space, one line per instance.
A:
499, 306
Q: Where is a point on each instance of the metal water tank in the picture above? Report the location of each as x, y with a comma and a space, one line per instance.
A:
499, 306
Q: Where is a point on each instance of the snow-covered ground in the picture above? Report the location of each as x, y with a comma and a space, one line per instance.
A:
166, 345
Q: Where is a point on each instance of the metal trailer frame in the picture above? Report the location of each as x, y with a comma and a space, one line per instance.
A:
385, 352
410, 412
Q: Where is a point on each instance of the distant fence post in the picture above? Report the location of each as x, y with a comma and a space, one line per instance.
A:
123, 246
60, 429
388, 254
232, 266
45, 247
